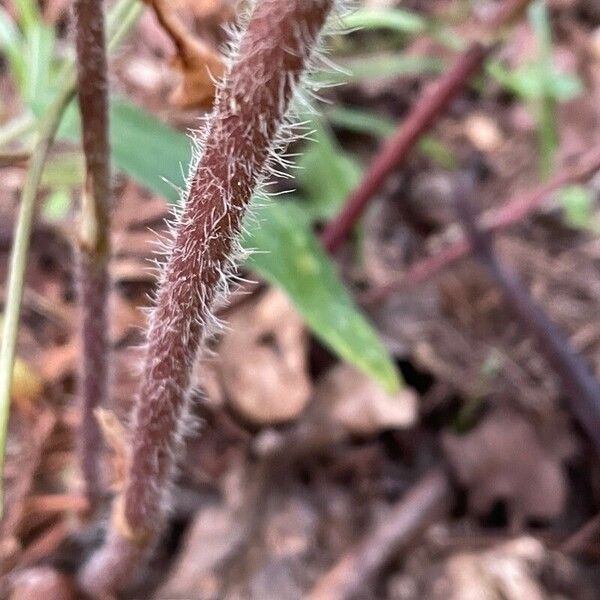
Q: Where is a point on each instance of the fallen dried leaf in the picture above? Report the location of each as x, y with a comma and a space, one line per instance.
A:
28, 433
503, 459
126, 317
27, 385
263, 361
482, 132
510, 571
212, 539
57, 362
115, 439
355, 402
199, 64
41, 583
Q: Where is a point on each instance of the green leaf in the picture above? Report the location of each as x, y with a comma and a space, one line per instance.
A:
64, 170
368, 123
28, 13
12, 44
383, 65
40, 50
402, 21
564, 86
360, 121
290, 257
577, 203
149, 151
57, 205
327, 174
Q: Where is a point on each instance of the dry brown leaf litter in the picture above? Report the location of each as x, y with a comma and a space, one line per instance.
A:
198, 64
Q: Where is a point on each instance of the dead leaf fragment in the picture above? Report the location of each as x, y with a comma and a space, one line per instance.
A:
28, 432
510, 571
115, 439
198, 63
360, 406
503, 459
482, 132
26, 385
263, 361
42, 582
212, 539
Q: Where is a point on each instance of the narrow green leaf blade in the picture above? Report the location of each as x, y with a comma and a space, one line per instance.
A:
289, 256
12, 44
395, 19
150, 152
383, 66
327, 174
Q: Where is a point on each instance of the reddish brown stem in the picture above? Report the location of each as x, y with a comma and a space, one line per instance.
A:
424, 114
243, 129
426, 111
511, 212
94, 242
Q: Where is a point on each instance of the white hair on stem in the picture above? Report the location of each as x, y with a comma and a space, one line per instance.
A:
239, 148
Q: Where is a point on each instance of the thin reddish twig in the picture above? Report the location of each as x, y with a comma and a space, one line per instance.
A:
433, 103
511, 212
582, 390
424, 114
425, 502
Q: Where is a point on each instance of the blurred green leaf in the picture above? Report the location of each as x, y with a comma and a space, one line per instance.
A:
360, 121
368, 123
396, 19
541, 84
327, 174
40, 53
12, 44
149, 151
383, 65
527, 83
57, 205
63, 171
290, 257
28, 13
577, 203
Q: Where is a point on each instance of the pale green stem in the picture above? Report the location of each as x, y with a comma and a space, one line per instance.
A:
18, 262
121, 19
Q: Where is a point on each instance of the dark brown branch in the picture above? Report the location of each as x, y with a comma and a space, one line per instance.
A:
94, 241
425, 502
433, 103
580, 386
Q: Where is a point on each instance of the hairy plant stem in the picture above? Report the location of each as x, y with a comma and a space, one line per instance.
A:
243, 130
122, 17
94, 235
